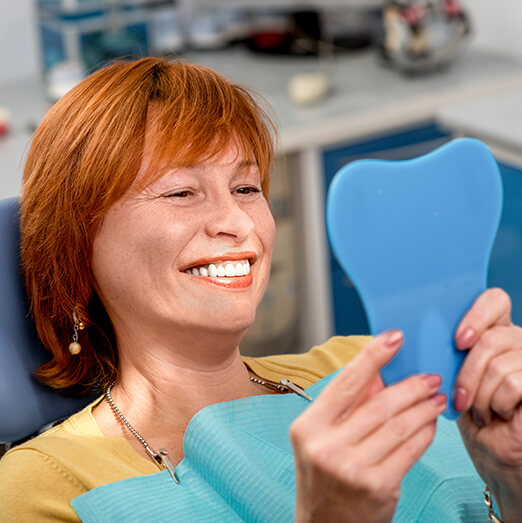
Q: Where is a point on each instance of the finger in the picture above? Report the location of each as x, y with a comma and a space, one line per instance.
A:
386, 406
373, 388
396, 465
346, 390
508, 396
498, 370
468, 428
376, 446
492, 343
492, 307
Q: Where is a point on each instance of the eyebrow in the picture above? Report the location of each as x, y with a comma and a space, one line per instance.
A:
243, 164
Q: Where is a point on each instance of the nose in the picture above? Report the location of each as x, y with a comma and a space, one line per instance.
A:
228, 218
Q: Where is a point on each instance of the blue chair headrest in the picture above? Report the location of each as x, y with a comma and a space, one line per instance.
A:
25, 404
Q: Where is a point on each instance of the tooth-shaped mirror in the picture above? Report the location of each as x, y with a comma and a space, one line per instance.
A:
415, 238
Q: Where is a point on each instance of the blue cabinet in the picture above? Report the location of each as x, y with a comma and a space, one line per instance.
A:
505, 267
93, 31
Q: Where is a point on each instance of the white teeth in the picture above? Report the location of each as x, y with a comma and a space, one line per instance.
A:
228, 270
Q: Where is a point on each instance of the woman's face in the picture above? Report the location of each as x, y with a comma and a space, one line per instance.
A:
192, 250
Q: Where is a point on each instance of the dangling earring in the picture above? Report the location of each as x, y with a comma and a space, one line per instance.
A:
74, 346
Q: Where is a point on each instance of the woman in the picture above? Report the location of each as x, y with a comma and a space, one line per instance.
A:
146, 241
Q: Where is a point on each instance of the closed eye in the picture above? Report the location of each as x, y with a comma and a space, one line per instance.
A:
179, 194
248, 190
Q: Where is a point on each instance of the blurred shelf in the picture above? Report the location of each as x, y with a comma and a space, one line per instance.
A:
97, 23
95, 15
294, 4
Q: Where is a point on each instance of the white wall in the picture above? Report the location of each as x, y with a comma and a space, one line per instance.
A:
19, 57
497, 25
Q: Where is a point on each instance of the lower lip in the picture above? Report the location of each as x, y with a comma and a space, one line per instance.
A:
236, 282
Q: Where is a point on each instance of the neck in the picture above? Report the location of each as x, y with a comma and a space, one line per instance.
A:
161, 387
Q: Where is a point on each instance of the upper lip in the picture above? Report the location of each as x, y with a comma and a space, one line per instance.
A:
223, 258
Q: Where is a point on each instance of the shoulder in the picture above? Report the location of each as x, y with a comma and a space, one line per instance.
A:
39, 478
34, 486
307, 368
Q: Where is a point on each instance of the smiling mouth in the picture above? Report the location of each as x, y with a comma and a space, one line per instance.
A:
228, 269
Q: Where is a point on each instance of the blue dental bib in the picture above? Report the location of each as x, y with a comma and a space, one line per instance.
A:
239, 466
415, 238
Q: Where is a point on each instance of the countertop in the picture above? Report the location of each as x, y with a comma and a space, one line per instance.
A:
495, 118
366, 96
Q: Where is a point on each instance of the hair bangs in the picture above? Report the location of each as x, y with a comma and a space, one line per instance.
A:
199, 127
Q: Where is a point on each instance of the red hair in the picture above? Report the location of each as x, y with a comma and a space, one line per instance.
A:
84, 156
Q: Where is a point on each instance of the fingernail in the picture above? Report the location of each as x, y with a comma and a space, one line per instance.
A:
460, 399
433, 381
439, 399
392, 339
477, 419
465, 338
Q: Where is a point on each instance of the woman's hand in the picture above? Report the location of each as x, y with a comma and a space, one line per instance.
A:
357, 440
488, 391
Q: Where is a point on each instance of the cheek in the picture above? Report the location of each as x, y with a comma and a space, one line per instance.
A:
112, 263
266, 235
266, 229
130, 249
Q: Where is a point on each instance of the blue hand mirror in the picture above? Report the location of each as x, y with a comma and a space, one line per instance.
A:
415, 238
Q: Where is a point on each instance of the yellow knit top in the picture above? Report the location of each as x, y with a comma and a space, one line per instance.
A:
39, 478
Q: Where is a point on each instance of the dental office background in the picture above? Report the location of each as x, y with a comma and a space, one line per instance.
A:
339, 91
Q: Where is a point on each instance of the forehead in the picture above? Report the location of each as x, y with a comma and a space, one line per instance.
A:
155, 164
192, 139
230, 154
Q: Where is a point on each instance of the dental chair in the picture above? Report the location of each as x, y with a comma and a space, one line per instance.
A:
26, 406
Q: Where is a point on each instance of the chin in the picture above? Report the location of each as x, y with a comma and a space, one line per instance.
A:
235, 325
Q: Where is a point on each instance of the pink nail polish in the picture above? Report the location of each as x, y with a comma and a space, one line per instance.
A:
477, 419
392, 338
439, 399
433, 381
465, 339
461, 399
